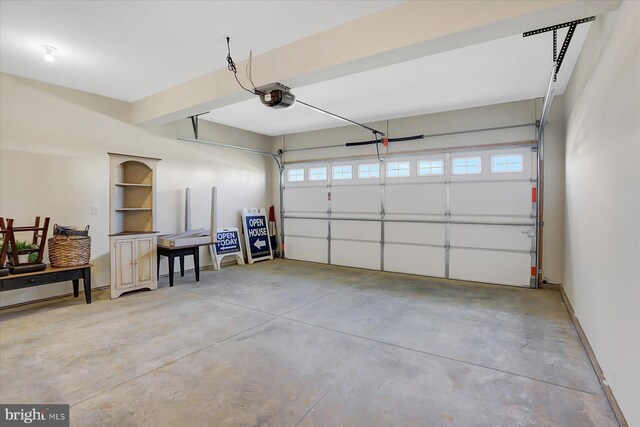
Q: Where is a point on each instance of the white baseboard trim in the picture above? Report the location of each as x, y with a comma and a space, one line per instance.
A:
594, 361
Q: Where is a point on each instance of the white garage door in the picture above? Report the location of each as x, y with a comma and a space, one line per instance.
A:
466, 215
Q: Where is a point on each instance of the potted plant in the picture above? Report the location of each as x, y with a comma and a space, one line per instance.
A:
29, 252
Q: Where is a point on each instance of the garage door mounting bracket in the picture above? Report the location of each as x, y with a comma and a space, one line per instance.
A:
194, 123
540, 124
567, 40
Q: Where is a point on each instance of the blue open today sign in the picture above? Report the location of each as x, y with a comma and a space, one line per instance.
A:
227, 242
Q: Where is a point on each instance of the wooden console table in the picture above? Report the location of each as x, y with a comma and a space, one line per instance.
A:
181, 251
51, 275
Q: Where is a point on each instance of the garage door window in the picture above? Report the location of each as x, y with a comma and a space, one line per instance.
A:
509, 163
398, 169
466, 166
295, 175
369, 171
430, 167
318, 174
342, 172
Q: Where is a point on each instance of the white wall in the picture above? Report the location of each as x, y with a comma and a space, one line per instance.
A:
451, 121
602, 250
53, 162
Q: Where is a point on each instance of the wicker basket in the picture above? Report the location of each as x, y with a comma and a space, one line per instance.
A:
69, 251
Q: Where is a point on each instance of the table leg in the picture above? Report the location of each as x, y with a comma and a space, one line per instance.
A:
170, 258
86, 281
181, 265
76, 286
158, 275
196, 262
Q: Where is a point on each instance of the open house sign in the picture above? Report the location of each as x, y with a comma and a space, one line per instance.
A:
256, 234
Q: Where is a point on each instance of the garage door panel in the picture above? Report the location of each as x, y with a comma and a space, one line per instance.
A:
415, 199
498, 198
355, 254
307, 249
411, 259
425, 234
306, 199
306, 227
478, 213
501, 267
491, 236
361, 230
356, 199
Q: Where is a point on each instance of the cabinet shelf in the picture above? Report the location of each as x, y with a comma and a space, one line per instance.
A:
129, 184
132, 208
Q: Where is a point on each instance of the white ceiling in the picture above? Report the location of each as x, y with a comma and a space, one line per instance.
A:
131, 49
509, 69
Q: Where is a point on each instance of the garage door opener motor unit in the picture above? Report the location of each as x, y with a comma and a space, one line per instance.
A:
276, 95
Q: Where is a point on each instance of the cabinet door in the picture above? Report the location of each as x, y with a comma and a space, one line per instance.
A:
145, 261
124, 264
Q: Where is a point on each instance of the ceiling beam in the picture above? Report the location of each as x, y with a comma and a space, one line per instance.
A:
408, 31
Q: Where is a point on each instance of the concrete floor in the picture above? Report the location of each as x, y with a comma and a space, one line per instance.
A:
285, 343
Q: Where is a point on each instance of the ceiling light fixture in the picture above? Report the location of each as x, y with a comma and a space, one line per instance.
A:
48, 53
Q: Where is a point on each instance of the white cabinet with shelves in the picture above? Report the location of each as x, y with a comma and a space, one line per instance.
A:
132, 228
